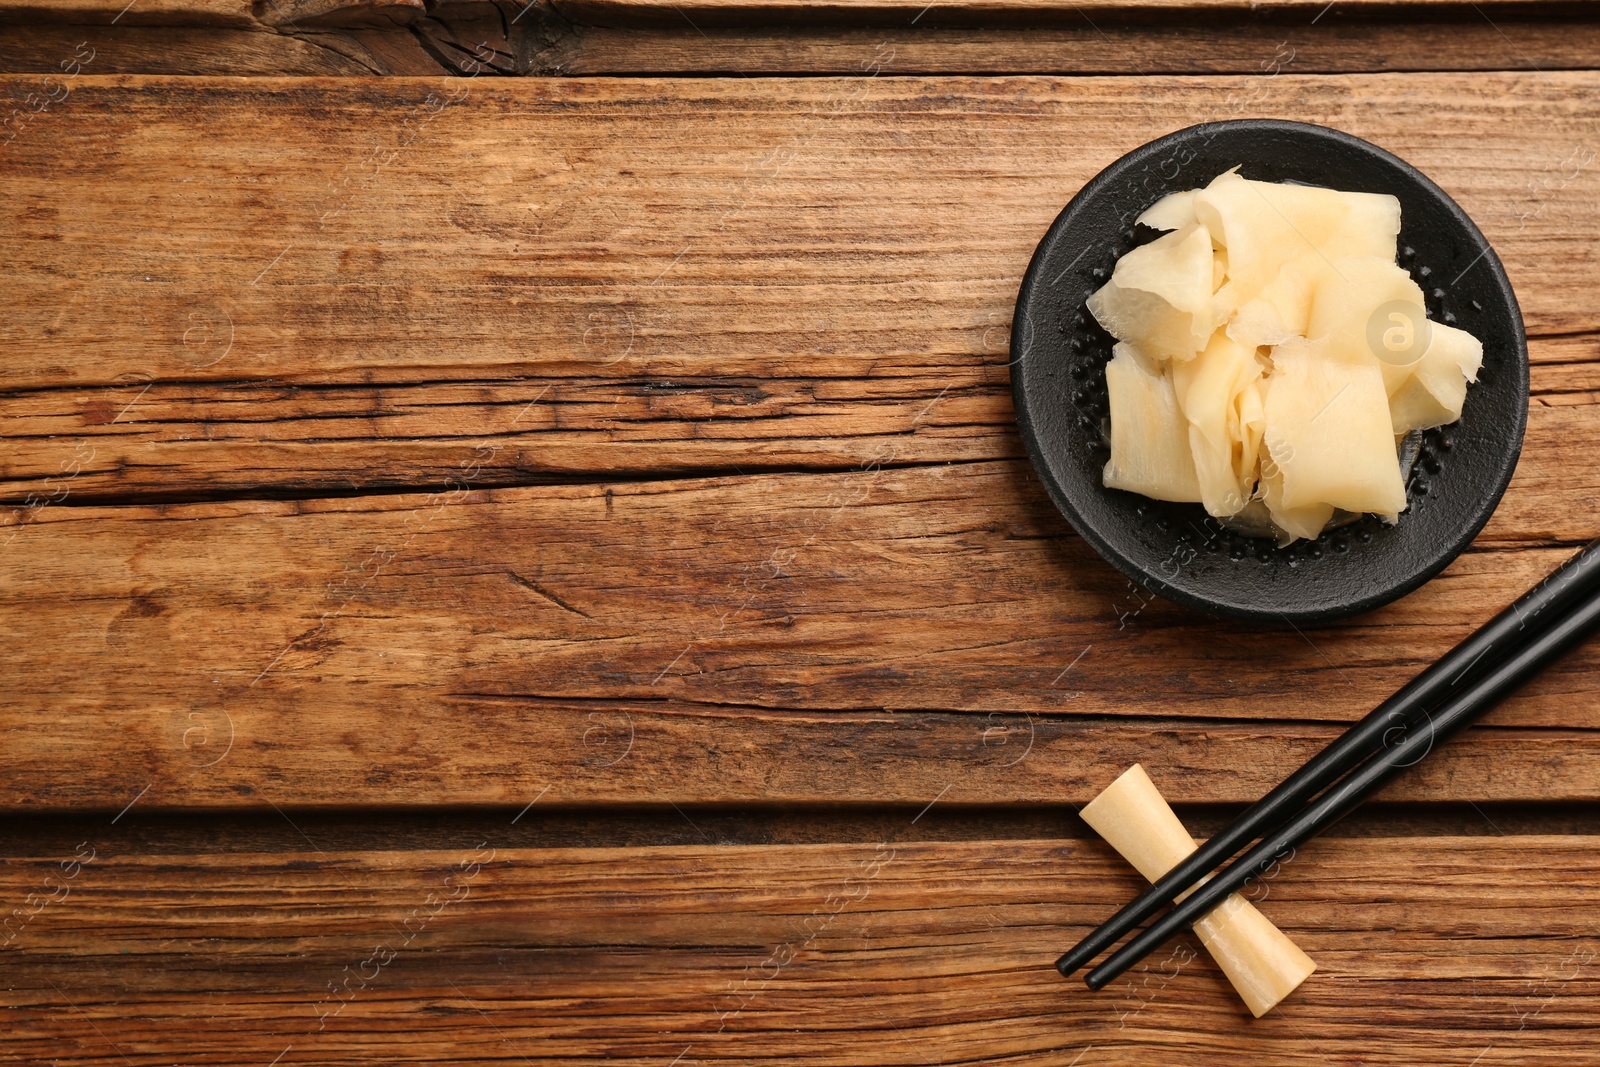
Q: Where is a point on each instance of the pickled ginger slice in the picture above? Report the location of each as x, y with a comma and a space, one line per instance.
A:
1159, 295
1367, 307
1149, 435
1371, 227
1172, 212
1279, 312
1264, 226
1328, 432
1307, 521
1206, 388
1435, 390
1247, 421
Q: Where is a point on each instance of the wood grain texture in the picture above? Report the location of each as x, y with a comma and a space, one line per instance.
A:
278, 12
287, 15
344, 313
339, 240
713, 12
273, 299
42, 48
1342, 42
308, 14
186, 440
1479, 950
269, 37
788, 578
876, 635
366, 40
232, 13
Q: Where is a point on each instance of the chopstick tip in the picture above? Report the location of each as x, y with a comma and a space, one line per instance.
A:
1071, 960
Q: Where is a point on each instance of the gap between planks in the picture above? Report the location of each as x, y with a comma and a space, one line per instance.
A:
541, 823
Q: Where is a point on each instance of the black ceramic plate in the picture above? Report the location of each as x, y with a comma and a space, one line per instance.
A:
1176, 550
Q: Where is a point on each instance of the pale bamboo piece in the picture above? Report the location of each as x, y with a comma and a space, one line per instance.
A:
1258, 958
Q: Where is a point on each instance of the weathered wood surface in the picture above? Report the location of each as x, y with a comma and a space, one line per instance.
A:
730, 540
265, 313
42, 48
347, 312
781, 11
1254, 44
780, 637
392, 40
712, 12
446, 41
369, 37
270, 37
1472, 951
229, 13
153, 439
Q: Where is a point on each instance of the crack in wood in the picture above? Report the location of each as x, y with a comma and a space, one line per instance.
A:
539, 590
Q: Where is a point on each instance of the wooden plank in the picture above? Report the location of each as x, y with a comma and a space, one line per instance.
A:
337, 266
219, 37
242, 13
289, 15
1342, 42
390, 37
183, 440
1462, 950
295, 327
308, 38
233, 13
524, 612
546, 45
718, 12
43, 48
295, 15
877, 635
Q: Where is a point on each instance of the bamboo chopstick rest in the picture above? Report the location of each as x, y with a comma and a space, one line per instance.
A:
1258, 958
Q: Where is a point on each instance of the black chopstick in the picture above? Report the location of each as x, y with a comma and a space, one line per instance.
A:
1574, 580
1559, 636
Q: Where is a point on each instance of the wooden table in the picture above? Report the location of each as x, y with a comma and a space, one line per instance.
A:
542, 569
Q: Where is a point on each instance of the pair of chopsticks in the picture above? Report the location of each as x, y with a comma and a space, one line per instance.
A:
1547, 621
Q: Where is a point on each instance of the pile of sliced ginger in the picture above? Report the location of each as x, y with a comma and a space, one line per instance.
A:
1272, 356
